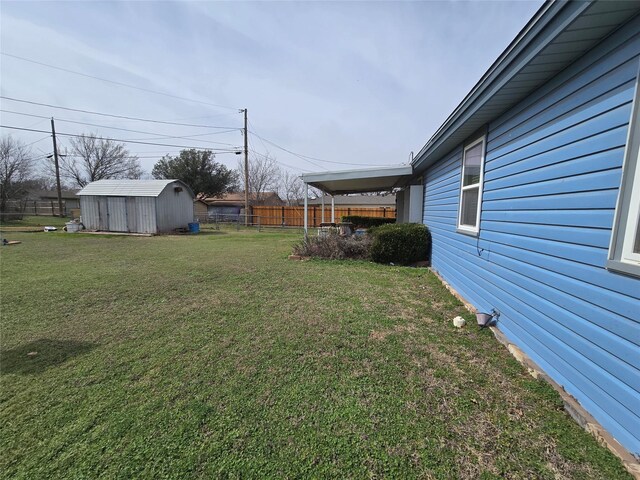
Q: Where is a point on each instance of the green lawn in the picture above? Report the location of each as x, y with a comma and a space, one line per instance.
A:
214, 356
32, 222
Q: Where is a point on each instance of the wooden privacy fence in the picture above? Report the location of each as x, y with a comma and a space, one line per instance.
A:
294, 216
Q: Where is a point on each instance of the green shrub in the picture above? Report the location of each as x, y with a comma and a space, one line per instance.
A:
403, 243
367, 222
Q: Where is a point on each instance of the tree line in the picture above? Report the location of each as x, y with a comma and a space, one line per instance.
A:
91, 157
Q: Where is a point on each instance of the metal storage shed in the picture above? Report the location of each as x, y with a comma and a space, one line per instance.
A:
140, 206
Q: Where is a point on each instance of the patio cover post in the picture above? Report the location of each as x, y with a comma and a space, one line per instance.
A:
306, 207
333, 209
322, 216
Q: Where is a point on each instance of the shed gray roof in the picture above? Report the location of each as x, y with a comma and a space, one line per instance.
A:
130, 188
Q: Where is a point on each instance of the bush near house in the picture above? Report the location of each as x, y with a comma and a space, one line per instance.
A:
334, 247
402, 243
367, 222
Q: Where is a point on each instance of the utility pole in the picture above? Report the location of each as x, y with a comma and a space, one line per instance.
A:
55, 159
246, 170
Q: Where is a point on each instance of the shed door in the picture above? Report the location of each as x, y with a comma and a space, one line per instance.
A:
103, 214
117, 214
132, 217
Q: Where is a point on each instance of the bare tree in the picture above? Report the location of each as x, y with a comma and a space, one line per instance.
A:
95, 158
264, 176
292, 188
42, 179
16, 165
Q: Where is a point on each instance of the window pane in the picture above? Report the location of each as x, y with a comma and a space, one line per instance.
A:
469, 207
472, 159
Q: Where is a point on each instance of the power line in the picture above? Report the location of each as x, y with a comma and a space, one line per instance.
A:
148, 152
159, 135
272, 158
288, 151
33, 143
184, 137
299, 155
230, 129
129, 157
36, 123
206, 116
216, 150
261, 141
116, 83
306, 157
255, 152
279, 161
124, 117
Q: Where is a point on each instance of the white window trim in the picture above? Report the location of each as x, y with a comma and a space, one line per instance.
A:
466, 229
621, 257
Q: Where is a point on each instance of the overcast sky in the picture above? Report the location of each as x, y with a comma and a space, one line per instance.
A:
361, 83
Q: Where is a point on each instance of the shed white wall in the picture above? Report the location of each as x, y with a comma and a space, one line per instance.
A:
137, 213
174, 209
117, 214
144, 209
89, 212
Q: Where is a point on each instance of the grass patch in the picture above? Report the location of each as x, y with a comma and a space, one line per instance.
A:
32, 223
214, 356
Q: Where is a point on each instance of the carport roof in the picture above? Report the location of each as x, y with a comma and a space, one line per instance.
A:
360, 180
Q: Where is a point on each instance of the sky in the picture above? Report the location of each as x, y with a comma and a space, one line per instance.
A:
350, 84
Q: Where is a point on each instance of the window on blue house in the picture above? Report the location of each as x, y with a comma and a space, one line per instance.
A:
624, 252
471, 187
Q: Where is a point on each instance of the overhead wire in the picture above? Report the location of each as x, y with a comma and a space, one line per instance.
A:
185, 137
294, 167
206, 116
124, 117
159, 135
129, 156
261, 141
255, 152
308, 158
308, 161
36, 62
33, 143
125, 140
35, 124
280, 161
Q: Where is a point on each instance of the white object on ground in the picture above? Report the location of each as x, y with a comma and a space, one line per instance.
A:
50, 229
459, 322
73, 227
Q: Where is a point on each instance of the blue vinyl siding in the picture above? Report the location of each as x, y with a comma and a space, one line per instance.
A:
552, 174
